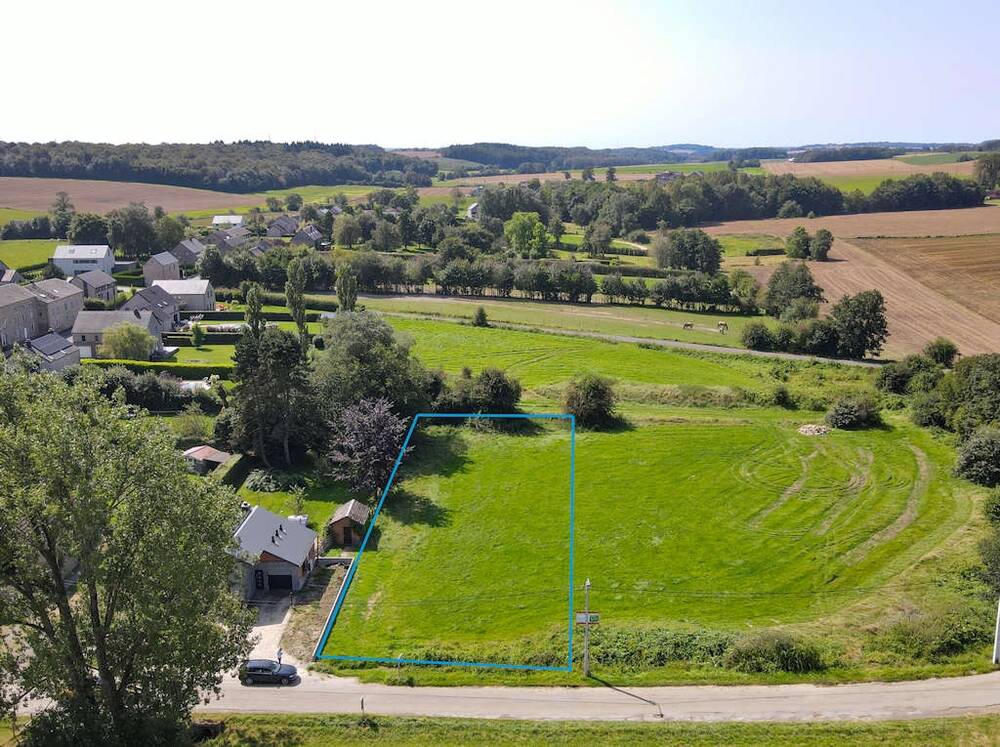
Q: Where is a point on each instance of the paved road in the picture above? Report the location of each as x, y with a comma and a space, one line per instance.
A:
866, 701
701, 347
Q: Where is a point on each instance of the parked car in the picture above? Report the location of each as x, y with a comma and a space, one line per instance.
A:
265, 671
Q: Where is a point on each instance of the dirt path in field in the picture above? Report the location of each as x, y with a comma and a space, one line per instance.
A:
904, 520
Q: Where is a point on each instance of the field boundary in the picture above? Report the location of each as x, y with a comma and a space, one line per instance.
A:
331, 619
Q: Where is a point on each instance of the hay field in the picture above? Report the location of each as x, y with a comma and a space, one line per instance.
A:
887, 167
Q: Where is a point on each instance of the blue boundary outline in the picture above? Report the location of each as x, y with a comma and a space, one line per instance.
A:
345, 587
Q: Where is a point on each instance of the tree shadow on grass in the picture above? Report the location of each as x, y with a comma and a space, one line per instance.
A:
409, 508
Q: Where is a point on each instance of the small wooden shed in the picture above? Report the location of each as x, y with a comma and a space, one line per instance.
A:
347, 527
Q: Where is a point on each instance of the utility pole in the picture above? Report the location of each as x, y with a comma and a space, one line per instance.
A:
996, 638
586, 630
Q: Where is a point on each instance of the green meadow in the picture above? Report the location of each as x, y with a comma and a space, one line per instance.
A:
18, 253
8, 214
934, 159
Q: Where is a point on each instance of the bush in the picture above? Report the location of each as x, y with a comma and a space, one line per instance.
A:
927, 410
591, 400
942, 351
897, 377
991, 507
480, 320
854, 411
495, 391
773, 651
989, 552
918, 635
273, 481
979, 457
756, 336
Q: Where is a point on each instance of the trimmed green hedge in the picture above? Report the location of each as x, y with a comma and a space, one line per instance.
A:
130, 279
765, 252
183, 339
180, 370
238, 316
270, 298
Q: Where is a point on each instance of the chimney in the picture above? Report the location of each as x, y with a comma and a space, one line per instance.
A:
136, 312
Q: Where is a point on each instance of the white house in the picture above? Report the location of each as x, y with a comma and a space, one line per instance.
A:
227, 220
191, 294
74, 259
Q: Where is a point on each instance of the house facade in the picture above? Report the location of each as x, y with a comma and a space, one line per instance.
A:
54, 352
274, 554
191, 294
347, 526
74, 259
227, 220
188, 252
96, 284
159, 302
90, 327
162, 266
57, 303
18, 320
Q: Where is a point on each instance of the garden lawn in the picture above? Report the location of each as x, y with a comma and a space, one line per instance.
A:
18, 253
320, 499
721, 522
8, 214
205, 354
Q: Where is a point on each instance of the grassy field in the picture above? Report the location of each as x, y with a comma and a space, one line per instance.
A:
18, 253
8, 214
629, 321
472, 553
934, 159
683, 168
320, 730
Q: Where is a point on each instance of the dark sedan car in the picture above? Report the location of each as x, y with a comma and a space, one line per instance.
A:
265, 671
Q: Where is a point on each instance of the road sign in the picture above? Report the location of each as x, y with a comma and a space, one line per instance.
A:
588, 618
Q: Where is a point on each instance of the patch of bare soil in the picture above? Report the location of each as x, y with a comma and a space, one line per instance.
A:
309, 612
96, 196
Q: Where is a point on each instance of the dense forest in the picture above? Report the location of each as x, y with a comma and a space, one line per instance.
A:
863, 153
507, 156
231, 167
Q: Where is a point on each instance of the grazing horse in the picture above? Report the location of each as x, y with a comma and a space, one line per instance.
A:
723, 327
688, 325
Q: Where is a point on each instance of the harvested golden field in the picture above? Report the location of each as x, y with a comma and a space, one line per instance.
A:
92, 195
887, 167
966, 269
959, 222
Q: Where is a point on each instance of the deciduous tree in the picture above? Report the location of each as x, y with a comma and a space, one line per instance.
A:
127, 341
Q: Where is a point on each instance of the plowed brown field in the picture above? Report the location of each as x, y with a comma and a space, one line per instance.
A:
99, 196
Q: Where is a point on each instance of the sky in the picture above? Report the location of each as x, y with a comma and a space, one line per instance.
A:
428, 73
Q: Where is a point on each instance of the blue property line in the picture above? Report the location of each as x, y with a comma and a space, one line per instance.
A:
342, 594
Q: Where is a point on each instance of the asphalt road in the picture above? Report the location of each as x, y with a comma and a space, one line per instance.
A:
865, 701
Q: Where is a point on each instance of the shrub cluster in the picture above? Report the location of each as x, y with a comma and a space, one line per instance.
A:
773, 651
854, 411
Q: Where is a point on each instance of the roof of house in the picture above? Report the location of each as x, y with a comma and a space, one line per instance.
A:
354, 510
53, 289
285, 222
82, 251
206, 453
13, 294
187, 287
163, 258
232, 220
9, 276
50, 345
262, 531
94, 322
95, 278
153, 297
308, 233
192, 245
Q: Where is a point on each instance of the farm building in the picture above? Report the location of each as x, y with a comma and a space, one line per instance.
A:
162, 266
347, 526
191, 294
188, 252
96, 284
203, 459
227, 220
73, 259
308, 236
275, 553
54, 352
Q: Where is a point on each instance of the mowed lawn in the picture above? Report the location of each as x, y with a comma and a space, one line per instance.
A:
627, 321
18, 253
725, 523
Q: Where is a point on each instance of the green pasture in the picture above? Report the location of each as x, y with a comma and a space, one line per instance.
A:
8, 214
738, 244
18, 253
723, 522
934, 159
683, 168
629, 321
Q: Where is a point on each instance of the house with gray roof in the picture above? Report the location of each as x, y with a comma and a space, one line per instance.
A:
73, 259
57, 302
273, 553
188, 252
162, 304
227, 220
96, 284
54, 351
309, 236
90, 327
230, 239
191, 294
162, 266
7, 275
283, 225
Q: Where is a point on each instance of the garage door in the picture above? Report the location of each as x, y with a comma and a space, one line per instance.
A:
279, 582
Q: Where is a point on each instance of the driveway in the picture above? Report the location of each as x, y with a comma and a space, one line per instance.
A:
273, 613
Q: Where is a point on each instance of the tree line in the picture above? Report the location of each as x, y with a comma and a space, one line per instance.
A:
244, 166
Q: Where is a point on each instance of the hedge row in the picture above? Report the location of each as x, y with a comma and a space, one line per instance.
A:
180, 370
238, 316
123, 278
765, 252
270, 298
183, 339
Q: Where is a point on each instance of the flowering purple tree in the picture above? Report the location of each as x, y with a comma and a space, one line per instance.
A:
364, 445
